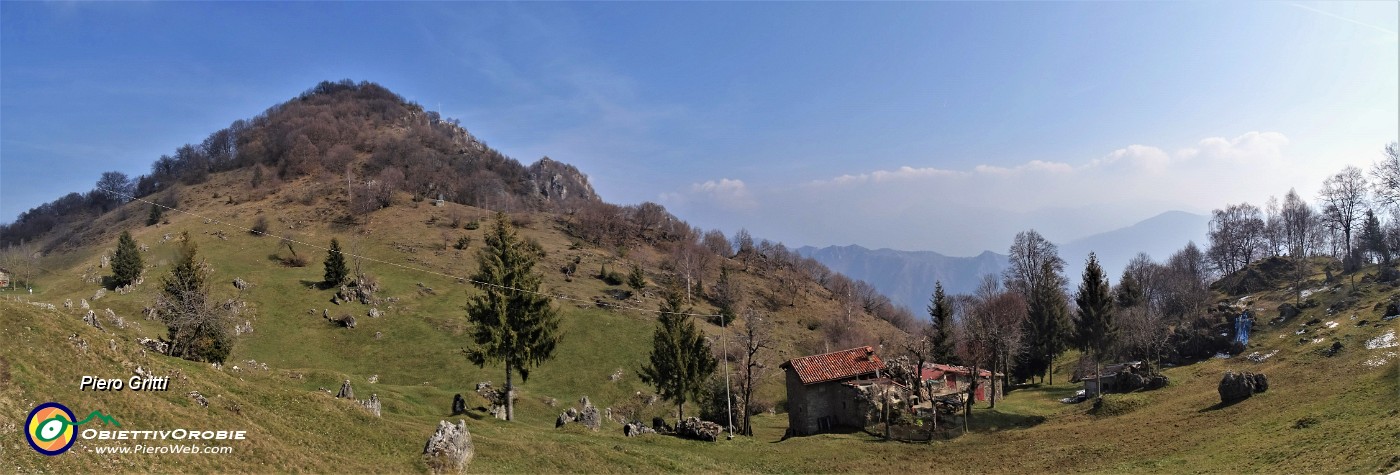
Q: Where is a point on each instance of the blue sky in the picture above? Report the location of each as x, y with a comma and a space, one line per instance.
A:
941, 126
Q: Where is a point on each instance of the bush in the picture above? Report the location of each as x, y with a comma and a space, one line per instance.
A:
610, 277
472, 225
260, 226
463, 242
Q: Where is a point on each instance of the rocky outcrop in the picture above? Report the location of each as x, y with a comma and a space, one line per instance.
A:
1235, 387
450, 448
634, 429
346, 391
154, 345
198, 398
659, 425
371, 404
588, 416
90, 318
558, 182
694, 428
241, 284
496, 397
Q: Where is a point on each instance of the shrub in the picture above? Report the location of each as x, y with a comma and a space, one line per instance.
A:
260, 226
610, 277
463, 242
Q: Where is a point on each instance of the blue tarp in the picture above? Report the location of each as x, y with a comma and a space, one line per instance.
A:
1242, 327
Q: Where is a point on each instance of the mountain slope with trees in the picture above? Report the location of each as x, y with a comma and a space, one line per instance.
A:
242, 242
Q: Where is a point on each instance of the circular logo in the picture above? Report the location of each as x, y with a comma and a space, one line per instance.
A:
49, 429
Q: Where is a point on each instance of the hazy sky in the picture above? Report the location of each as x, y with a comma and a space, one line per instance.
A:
939, 126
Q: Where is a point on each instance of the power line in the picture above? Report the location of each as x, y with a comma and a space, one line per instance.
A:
401, 266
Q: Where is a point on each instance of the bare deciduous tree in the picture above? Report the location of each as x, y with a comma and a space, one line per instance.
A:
757, 337
1236, 236
1344, 195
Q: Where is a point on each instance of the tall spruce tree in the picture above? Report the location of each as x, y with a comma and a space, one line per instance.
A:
126, 261
514, 323
153, 218
681, 359
1048, 325
336, 270
1096, 328
940, 313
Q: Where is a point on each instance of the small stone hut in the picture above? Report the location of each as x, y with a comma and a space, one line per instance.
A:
819, 396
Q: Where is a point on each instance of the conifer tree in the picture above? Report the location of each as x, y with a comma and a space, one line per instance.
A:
199, 329
126, 261
1096, 328
336, 270
1048, 316
636, 279
514, 323
153, 218
940, 313
681, 359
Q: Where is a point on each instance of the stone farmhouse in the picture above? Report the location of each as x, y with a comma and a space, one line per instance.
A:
829, 390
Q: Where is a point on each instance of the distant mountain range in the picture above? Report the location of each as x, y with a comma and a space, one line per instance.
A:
908, 277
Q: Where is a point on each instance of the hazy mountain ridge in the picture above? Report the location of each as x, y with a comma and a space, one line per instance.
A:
908, 277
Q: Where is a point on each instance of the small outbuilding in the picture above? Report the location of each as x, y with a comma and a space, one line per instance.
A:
943, 380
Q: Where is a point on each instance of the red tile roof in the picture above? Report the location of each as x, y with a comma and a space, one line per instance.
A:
836, 365
936, 371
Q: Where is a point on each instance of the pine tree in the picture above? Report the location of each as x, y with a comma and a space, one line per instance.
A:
1373, 238
126, 261
153, 218
1048, 318
1096, 329
940, 313
336, 270
636, 279
514, 323
1129, 291
199, 329
681, 359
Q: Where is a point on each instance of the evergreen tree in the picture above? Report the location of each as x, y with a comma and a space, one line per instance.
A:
126, 261
199, 329
153, 218
514, 323
1130, 292
1373, 239
336, 270
727, 296
1048, 323
1096, 329
680, 359
636, 279
940, 313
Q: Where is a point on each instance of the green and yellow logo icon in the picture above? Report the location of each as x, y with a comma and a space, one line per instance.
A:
51, 427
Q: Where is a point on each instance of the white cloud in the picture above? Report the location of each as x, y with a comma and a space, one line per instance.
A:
1253, 146
1145, 157
966, 211
727, 193
877, 176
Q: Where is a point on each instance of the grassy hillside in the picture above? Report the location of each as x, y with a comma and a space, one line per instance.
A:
1321, 414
